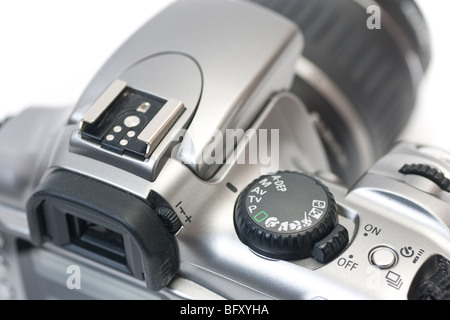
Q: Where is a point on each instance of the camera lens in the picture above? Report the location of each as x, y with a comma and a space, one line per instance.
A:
358, 74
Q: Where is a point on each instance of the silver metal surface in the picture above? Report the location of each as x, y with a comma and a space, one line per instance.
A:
321, 82
378, 207
103, 103
237, 83
155, 131
26, 141
187, 86
241, 67
186, 289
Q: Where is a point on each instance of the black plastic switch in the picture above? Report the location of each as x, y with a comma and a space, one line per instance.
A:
328, 248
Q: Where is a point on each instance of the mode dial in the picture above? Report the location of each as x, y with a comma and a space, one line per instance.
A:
283, 215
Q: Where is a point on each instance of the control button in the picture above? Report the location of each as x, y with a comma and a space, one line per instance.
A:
383, 257
328, 248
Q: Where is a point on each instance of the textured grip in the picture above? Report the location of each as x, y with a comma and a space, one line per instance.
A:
428, 172
369, 66
438, 286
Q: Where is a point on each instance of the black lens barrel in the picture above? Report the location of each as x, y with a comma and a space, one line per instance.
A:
376, 69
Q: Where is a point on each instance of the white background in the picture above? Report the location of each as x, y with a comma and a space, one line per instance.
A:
50, 50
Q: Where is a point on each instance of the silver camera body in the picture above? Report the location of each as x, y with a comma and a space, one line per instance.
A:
134, 193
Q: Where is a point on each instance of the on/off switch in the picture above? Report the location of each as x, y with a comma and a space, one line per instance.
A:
383, 257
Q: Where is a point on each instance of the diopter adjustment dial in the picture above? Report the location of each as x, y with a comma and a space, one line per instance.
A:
282, 216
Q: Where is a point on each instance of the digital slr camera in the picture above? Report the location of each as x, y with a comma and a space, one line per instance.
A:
234, 150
